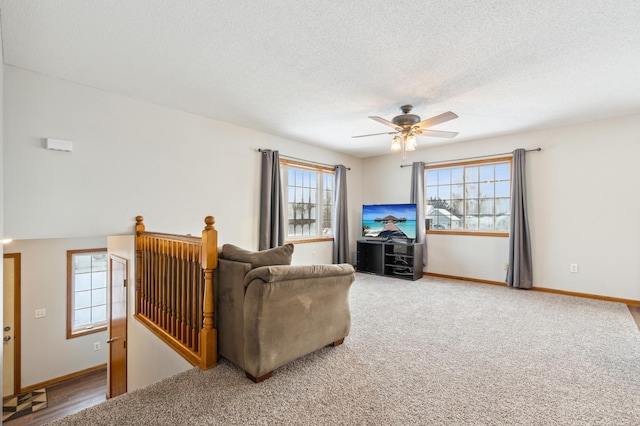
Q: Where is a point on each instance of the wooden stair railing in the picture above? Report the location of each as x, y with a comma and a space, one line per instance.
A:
174, 290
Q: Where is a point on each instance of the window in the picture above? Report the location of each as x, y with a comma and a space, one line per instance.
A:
471, 196
86, 291
308, 200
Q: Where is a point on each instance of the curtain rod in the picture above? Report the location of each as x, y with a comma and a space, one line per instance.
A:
305, 161
472, 158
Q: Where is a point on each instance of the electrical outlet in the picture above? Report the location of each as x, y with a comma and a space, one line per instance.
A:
40, 313
313, 254
96, 346
506, 266
573, 268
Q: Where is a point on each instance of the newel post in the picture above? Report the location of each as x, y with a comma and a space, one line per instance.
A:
139, 229
209, 262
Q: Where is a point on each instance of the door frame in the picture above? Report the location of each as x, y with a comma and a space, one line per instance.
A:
16, 319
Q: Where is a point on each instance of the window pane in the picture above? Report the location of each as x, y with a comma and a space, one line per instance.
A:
486, 190
431, 177
486, 206
99, 297
471, 174
503, 171
328, 182
457, 208
444, 177
471, 223
457, 175
502, 223
472, 207
486, 223
432, 192
82, 317
99, 262
99, 314
82, 281
503, 206
444, 192
503, 189
82, 299
486, 173
99, 279
471, 190
457, 192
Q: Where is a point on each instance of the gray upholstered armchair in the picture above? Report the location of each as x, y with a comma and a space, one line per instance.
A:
270, 313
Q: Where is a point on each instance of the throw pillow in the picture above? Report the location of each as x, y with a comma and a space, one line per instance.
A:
276, 256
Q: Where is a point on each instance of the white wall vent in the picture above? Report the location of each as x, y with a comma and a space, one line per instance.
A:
59, 145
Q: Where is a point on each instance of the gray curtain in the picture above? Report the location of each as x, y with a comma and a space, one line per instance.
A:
340, 218
417, 196
272, 214
520, 272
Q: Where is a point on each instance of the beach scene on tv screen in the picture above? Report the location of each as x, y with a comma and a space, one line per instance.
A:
389, 220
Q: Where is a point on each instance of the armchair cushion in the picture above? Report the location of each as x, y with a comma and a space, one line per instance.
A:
270, 274
276, 256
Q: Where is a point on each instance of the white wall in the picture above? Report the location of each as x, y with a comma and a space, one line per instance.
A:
46, 353
130, 158
582, 204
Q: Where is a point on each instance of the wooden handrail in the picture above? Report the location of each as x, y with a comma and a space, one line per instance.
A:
174, 290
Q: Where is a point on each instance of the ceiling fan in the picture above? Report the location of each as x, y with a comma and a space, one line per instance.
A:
407, 126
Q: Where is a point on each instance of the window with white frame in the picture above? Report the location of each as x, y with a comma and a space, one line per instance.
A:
472, 196
308, 193
86, 291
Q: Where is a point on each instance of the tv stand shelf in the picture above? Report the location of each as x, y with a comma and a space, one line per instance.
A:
391, 259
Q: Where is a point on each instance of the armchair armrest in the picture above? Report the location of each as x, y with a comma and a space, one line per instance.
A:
276, 273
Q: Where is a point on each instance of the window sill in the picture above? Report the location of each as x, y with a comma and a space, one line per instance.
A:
309, 240
471, 233
86, 332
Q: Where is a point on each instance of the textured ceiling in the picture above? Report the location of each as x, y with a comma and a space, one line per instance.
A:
314, 70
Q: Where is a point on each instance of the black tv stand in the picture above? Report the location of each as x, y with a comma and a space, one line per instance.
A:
391, 259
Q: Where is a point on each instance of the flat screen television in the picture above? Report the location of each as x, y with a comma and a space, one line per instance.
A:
389, 221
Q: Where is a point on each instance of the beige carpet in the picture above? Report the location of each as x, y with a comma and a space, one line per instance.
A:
429, 352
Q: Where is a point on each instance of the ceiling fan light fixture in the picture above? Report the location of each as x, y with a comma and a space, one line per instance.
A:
396, 143
406, 126
410, 143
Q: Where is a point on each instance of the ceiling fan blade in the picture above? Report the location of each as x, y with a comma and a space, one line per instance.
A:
385, 122
375, 134
437, 133
445, 116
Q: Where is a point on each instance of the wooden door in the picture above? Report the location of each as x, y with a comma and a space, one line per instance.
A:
117, 364
11, 324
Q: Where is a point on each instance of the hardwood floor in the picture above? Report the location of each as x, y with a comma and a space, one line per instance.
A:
67, 398
82, 392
